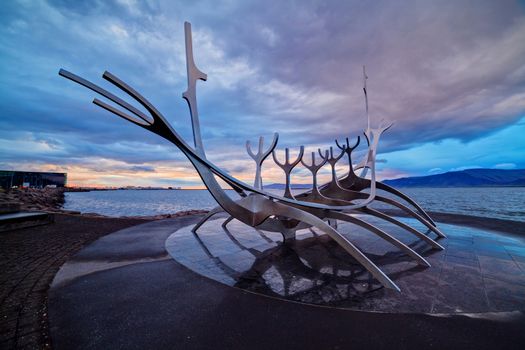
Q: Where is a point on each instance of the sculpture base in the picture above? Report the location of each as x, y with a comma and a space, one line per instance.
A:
479, 271
125, 291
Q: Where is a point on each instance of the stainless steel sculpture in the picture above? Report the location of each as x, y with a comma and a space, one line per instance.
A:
318, 208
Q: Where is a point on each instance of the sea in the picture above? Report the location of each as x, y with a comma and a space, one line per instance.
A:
493, 202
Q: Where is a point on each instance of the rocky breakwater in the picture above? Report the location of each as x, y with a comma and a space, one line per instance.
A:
168, 216
33, 199
52, 200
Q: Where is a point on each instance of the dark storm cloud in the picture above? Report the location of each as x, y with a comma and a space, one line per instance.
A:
440, 70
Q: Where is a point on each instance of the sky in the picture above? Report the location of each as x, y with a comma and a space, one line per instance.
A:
449, 74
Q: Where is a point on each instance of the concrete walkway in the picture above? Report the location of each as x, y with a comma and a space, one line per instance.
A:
29, 259
124, 291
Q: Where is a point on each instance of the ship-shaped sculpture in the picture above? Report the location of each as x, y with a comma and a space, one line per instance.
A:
319, 208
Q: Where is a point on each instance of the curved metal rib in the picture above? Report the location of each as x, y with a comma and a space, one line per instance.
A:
106, 94
408, 228
334, 190
355, 183
348, 150
349, 196
314, 169
315, 196
314, 221
332, 160
208, 216
392, 190
333, 184
287, 167
227, 221
412, 213
340, 216
260, 156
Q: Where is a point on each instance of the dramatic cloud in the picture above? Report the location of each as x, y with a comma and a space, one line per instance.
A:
450, 74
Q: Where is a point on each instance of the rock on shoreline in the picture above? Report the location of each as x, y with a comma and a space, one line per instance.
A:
168, 216
52, 200
31, 199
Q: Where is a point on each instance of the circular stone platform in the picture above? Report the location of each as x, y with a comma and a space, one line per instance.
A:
479, 271
124, 291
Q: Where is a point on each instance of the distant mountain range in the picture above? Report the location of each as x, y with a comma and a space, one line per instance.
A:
281, 187
464, 178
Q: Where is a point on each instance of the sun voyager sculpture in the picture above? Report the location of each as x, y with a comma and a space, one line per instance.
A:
320, 208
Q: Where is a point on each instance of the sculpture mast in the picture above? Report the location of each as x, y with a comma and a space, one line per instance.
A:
190, 95
365, 77
368, 135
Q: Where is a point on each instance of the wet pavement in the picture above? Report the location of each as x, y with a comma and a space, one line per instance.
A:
126, 291
479, 271
29, 259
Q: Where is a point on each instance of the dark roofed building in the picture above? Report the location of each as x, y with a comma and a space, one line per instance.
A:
35, 179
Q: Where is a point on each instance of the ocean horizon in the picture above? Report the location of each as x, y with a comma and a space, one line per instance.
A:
491, 202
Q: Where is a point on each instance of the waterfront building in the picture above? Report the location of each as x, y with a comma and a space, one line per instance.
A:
9, 179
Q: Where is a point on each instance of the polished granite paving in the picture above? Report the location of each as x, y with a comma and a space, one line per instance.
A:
479, 271
124, 291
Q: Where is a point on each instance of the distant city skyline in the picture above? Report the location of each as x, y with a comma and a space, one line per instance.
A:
450, 75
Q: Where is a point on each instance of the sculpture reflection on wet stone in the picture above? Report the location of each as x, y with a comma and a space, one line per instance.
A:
319, 208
